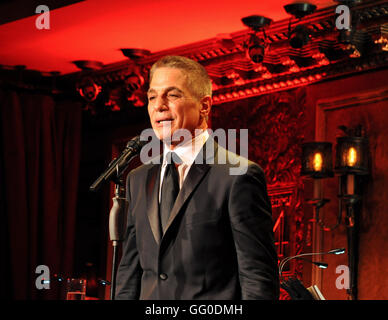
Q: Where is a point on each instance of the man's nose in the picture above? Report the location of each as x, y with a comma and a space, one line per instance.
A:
160, 104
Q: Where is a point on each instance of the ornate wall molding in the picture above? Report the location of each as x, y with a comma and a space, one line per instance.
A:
235, 77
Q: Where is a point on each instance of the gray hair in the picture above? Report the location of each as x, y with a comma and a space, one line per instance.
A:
198, 78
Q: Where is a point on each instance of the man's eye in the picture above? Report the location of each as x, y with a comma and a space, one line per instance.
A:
173, 95
151, 98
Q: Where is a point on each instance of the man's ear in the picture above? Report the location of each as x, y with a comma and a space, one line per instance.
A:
206, 104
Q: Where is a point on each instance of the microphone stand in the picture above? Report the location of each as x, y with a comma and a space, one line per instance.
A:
118, 212
117, 225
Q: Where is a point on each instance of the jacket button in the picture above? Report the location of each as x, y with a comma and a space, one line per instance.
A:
163, 276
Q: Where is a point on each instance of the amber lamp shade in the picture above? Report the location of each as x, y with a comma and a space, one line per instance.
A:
351, 156
317, 160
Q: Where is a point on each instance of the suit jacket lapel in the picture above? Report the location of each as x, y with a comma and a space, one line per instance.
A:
153, 181
197, 171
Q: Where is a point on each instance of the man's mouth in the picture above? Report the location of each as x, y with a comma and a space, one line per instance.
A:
164, 121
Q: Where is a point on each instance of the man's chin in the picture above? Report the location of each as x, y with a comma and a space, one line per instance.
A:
174, 138
166, 139
163, 136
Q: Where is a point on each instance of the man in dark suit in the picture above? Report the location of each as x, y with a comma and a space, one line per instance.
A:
199, 221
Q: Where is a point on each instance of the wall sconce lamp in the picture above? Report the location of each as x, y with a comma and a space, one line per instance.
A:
351, 165
255, 47
317, 160
301, 34
317, 163
351, 162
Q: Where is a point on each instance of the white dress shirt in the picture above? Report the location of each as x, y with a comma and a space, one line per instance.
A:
187, 153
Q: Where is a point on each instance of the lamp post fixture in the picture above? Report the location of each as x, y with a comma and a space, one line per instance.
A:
351, 163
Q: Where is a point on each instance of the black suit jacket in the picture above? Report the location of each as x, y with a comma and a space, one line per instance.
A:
219, 240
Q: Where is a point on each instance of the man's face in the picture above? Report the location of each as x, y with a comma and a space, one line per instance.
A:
172, 105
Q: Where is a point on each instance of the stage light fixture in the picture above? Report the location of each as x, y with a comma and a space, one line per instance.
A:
300, 9
86, 86
354, 40
88, 89
348, 3
301, 34
86, 65
255, 47
135, 53
134, 79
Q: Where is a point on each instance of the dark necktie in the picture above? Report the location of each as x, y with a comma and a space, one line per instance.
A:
170, 188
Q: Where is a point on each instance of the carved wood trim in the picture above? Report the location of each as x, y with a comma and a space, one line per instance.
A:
279, 115
288, 224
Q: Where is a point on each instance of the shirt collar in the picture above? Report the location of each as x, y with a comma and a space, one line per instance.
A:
188, 151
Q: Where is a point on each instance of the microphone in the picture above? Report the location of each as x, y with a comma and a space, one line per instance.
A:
293, 286
284, 261
118, 165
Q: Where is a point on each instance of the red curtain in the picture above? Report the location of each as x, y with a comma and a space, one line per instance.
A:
39, 166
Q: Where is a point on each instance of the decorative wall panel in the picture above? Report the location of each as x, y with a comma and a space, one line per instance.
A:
275, 124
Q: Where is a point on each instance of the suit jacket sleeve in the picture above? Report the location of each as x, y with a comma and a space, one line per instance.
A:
129, 271
252, 227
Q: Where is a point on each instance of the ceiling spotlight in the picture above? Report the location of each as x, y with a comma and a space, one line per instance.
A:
88, 89
300, 9
134, 79
132, 86
255, 47
255, 22
88, 64
355, 41
301, 34
133, 82
349, 3
135, 53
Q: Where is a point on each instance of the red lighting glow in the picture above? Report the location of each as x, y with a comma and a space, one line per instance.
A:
95, 30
